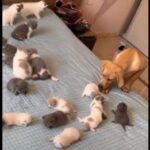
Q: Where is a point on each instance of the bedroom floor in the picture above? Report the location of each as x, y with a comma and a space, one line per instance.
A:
106, 51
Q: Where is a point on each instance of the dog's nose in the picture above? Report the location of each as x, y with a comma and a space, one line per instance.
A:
100, 87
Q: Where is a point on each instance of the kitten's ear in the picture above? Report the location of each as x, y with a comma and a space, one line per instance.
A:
19, 7
45, 4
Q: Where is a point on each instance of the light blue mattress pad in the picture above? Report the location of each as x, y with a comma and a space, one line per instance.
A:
75, 65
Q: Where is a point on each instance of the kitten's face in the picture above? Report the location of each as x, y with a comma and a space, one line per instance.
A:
49, 121
22, 90
52, 102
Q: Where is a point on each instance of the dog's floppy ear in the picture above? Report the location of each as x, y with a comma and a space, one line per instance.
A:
119, 77
103, 65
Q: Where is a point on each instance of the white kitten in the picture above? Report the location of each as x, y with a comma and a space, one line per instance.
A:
21, 67
19, 119
10, 13
61, 104
33, 8
66, 138
96, 116
90, 90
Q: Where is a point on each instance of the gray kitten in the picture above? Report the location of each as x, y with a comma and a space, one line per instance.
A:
17, 86
121, 116
55, 119
23, 31
8, 52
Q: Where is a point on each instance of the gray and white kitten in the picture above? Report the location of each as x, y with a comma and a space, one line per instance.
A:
8, 52
17, 86
39, 68
24, 31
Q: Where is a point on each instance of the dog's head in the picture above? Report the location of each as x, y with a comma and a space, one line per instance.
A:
110, 72
52, 102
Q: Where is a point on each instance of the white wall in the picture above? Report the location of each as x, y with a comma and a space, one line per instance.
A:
105, 18
137, 32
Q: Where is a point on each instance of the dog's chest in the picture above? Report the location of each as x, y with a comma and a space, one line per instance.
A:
134, 64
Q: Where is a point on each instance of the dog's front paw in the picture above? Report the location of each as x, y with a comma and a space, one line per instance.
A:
125, 89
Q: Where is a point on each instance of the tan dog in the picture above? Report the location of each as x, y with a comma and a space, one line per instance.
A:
19, 119
126, 67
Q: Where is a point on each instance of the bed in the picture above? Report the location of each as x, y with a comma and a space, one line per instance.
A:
75, 66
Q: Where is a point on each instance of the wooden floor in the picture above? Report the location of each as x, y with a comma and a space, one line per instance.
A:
105, 48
